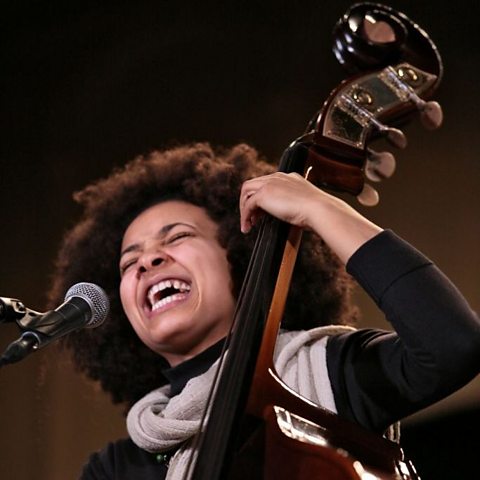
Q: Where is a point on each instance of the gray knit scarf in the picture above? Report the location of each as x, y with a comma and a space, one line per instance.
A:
157, 423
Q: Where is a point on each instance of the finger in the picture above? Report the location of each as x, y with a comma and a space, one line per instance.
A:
245, 213
250, 212
252, 185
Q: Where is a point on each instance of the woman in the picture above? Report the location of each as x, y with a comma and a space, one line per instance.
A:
164, 238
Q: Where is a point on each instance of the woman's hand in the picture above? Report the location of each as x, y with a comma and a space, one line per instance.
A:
291, 198
285, 196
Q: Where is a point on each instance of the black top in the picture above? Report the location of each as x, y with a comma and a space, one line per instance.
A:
377, 376
123, 459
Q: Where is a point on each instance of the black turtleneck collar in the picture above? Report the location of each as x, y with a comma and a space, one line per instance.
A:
179, 375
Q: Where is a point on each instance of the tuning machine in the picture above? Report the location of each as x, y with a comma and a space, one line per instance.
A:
356, 103
404, 78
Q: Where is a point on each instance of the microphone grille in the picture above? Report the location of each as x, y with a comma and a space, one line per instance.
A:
95, 296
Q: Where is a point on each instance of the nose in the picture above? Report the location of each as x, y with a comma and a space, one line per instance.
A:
151, 259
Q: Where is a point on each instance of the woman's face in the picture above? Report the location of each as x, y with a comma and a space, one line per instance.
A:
176, 288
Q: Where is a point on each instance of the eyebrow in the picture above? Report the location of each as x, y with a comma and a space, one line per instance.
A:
161, 233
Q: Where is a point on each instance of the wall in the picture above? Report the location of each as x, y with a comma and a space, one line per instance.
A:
88, 86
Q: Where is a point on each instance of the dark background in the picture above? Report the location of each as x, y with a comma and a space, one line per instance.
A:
86, 86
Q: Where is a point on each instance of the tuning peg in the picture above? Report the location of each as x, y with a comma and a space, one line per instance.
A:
368, 196
395, 136
380, 165
431, 114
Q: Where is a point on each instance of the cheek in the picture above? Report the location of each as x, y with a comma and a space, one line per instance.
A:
127, 296
223, 274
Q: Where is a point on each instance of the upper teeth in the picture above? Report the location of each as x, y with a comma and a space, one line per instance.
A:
158, 287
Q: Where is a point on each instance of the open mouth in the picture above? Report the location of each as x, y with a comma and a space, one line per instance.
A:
165, 292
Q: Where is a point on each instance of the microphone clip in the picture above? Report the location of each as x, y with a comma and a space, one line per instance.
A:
13, 310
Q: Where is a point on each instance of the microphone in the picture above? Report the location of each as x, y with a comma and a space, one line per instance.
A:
86, 305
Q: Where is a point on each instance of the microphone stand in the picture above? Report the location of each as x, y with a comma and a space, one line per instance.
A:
13, 310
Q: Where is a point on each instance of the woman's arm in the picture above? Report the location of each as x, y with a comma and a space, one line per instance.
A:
379, 376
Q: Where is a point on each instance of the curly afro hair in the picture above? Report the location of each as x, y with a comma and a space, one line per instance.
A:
112, 354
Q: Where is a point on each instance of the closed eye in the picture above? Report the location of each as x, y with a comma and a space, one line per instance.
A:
125, 266
178, 236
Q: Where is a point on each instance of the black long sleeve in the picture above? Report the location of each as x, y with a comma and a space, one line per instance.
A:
379, 377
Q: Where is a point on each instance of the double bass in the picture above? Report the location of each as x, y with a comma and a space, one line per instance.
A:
255, 426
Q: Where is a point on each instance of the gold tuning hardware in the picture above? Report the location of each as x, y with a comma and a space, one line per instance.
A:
366, 118
405, 79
